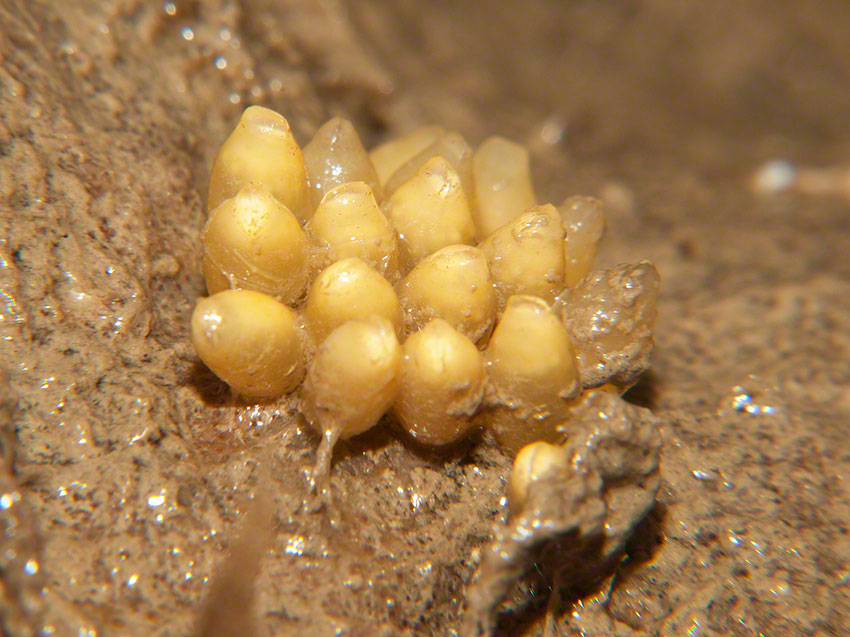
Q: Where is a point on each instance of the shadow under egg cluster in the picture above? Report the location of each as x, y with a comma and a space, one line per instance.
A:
421, 279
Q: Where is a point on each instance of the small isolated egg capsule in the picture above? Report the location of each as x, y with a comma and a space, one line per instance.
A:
535, 461
533, 372
348, 223
451, 146
526, 256
346, 290
584, 221
442, 384
391, 155
351, 383
252, 242
261, 152
250, 341
335, 156
503, 188
452, 284
430, 211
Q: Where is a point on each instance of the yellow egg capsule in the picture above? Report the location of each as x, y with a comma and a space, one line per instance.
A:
584, 221
442, 384
391, 155
451, 146
261, 152
335, 156
533, 373
351, 383
526, 256
348, 223
253, 242
503, 188
430, 211
250, 341
453, 284
347, 290
535, 462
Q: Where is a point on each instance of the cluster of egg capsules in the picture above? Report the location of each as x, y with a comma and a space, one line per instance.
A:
417, 278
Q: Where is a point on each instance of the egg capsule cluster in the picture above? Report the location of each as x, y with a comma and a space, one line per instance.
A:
415, 279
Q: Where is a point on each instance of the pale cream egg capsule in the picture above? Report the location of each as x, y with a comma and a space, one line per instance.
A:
253, 242
250, 341
352, 381
503, 188
347, 290
453, 284
454, 149
261, 152
335, 156
348, 223
391, 155
536, 461
430, 211
442, 384
584, 221
526, 256
533, 373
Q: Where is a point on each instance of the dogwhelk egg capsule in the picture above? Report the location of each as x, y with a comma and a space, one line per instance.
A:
348, 223
533, 372
442, 384
453, 284
347, 290
503, 188
536, 461
253, 242
351, 383
526, 256
261, 152
250, 341
584, 221
451, 146
430, 211
335, 156
391, 155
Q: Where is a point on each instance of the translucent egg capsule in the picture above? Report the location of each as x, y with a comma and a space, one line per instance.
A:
348, 223
584, 221
352, 381
503, 188
442, 384
535, 462
253, 242
526, 256
347, 290
335, 156
451, 146
261, 152
533, 372
250, 341
453, 284
430, 211
391, 155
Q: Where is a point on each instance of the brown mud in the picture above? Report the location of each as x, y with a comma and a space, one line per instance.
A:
127, 473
